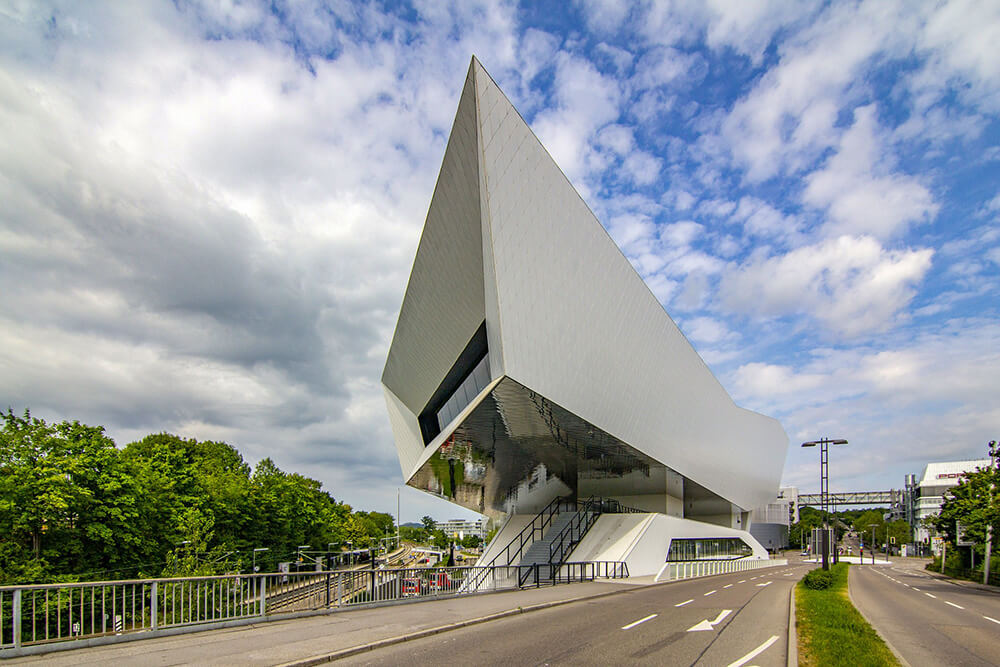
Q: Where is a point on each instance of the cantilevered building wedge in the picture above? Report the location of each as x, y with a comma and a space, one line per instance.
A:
531, 362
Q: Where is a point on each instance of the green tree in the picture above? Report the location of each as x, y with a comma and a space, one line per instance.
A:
439, 539
67, 505
429, 524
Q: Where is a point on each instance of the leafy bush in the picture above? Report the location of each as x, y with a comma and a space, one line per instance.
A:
818, 579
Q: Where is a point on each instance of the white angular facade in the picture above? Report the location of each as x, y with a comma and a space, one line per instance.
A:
531, 361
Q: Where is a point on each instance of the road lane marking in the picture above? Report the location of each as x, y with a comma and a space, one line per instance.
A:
754, 653
992, 619
728, 586
741, 581
641, 620
931, 596
709, 593
710, 625
681, 604
767, 584
956, 606
916, 589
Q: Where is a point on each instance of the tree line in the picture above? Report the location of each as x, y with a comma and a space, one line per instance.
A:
866, 522
74, 506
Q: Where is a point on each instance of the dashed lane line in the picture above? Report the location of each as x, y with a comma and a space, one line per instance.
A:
956, 606
931, 596
681, 604
708, 593
741, 581
641, 620
992, 619
728, 586
754, 653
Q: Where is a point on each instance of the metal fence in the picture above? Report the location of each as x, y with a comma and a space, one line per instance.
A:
42, 617
707, 568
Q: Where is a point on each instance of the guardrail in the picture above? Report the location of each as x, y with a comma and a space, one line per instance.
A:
49, 617
706, 568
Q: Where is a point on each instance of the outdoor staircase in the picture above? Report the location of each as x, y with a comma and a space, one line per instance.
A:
538, 552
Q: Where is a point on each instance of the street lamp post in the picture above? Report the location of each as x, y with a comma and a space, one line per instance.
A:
824, 478
873, 526
255, 556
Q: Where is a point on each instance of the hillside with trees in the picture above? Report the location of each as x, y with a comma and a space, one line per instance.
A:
74, 506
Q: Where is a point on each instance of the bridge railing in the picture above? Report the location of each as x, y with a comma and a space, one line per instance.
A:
40, 618
673, 571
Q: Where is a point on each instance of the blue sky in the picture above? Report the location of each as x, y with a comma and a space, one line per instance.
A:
210, 210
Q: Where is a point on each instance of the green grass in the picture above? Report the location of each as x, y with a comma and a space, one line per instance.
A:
830, 629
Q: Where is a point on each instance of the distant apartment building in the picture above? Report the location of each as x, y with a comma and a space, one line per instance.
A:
461, 528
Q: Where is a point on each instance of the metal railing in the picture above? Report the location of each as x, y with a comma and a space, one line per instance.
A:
573, 532
38, 618
690, 569
531, 532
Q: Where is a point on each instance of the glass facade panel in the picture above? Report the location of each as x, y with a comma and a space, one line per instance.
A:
466, 392
715, 548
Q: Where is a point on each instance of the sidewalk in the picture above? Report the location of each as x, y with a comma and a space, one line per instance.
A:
311, 640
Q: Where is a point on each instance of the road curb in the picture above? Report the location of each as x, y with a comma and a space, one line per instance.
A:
902, 660
420, 634
793, 635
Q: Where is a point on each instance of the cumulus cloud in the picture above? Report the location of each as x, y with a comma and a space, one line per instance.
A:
859, 190
850, 285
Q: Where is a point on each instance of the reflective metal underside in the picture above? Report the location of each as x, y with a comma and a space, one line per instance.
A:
517, 450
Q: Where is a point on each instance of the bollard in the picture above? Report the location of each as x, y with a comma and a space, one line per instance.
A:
153, 620
16, 618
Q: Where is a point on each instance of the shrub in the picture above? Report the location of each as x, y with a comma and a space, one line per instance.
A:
818, 579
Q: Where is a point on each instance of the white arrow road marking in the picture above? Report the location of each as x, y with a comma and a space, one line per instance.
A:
710, 625
681, 604
767, 584
754, 653
956, 606
641, 620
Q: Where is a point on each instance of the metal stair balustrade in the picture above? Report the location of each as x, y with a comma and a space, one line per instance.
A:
527, 536
563, 543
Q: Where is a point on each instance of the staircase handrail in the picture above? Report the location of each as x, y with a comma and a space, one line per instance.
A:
588, 512
543, 519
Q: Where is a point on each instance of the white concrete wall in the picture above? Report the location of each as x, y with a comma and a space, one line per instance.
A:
514, 525
642, 540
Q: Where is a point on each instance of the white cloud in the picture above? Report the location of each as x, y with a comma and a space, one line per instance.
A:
859, 191
586, 101
850, 285
762, 220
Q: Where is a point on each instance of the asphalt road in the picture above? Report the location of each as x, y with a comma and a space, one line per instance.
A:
929, 621
736, 619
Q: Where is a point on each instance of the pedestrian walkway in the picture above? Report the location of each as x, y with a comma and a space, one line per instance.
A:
310, 640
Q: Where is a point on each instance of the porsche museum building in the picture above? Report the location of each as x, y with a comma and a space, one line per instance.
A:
530, 362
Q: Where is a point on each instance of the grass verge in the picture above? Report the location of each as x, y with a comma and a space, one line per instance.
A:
831, 631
